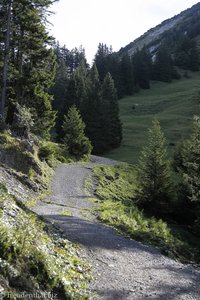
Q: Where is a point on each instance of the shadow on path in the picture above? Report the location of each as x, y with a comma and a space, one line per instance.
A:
123, 268
96, 235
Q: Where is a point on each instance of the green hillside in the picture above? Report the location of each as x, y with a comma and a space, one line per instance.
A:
173, 104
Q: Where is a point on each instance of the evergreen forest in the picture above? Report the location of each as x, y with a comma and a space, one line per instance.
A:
57, 109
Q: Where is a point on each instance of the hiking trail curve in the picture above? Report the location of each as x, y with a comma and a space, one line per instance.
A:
122, 268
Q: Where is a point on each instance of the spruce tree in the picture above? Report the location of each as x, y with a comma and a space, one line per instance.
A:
188, 168
31, 63
5, 27
91, 111
191, 163
77, 89
111, 124
77, 144
186, 54
163, 67
76, 94
126, 78
142, 66
154, 172
194, 57
102, 60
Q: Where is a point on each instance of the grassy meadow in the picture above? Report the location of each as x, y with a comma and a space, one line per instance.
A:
174, 104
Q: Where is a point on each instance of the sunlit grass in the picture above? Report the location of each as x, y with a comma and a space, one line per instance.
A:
116, 189
173, 104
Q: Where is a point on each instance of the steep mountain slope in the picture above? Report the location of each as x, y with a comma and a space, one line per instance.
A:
187, 21
175, 43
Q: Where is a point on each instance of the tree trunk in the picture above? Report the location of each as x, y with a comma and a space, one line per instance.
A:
6, 60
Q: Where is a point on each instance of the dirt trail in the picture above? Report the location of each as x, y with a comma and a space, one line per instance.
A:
123, 268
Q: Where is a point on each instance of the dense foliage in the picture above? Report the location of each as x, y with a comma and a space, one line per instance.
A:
136, 71
187, 166
156, 193
165, 59
155, 183
77, 144
27, 62
96, 99
86, 104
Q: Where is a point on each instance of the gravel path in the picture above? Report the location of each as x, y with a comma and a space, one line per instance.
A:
123, 268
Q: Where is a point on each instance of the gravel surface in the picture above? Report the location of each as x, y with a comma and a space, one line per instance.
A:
122, 268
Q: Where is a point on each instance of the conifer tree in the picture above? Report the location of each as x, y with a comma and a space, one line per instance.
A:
75, 94
102, 60
163, 68
142, 66
194, 57
126, 77
31, 63
92, 110
154, 171
191, 163
77, 88
77, 144
59, 88
5, 14
186, 54
187, 165
111, 124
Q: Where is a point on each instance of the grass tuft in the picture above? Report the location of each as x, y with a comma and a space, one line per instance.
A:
39, 257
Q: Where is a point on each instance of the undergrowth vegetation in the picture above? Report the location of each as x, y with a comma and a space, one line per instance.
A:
116, 190
22, 156
33, 159
34, 257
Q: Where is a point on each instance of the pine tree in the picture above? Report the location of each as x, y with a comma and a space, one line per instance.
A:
6, 10
76, 94
188, 169
31, 63
77, 89
191, 163
154, 172
142, 67
194, 57
59, 88
163, 68
186, 54
77, 144
102, 60
111, 124
126, 77
91, 111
